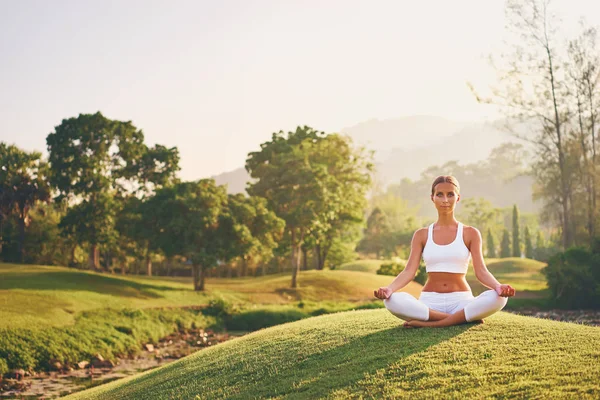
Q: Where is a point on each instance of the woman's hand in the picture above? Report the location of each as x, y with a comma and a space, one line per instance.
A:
505, 290
383, 293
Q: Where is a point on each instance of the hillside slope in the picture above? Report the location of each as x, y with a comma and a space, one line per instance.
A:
367, 354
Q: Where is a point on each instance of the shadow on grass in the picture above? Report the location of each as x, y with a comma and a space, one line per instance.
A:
292, 375
343, 366
81, 281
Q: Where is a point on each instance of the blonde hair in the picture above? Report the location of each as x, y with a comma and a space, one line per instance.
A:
445, 179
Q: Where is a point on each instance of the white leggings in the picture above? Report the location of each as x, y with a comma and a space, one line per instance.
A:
406, 307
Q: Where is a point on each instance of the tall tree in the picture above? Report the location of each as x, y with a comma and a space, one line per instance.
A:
528, 244
259, 229
505, 245
344, 173
193, 222
92, 157
22, 184
375, 234
283, 175
532, 90
516, 236
491, 246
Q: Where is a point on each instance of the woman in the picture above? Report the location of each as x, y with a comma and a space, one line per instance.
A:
446, 247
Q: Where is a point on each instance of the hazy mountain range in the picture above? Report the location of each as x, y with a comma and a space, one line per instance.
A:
404, 147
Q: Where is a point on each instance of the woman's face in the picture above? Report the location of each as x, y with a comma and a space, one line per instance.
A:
445, 197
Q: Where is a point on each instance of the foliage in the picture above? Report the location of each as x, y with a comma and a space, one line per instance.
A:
22, 184
528, 245
392, 268
93, 162
574, 278
491, 246
516, 237
505, 245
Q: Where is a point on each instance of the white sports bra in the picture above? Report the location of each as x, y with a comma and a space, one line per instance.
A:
453, 257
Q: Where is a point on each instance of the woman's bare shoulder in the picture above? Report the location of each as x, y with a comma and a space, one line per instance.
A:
470, 231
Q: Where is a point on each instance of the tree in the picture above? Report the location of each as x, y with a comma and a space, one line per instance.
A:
491, 247
283, 175
375, 234
22, 184
193, 222
91, 156
344, 173
505, 245
516, 238
478, 212
258, 227
528, 244
532, 90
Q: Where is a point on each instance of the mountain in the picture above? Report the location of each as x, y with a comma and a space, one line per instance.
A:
235, 180
405, 147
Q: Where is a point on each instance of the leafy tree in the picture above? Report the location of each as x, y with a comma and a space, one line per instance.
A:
283, 175
91, 157
375, 234
193, 222
344, 174
258, 228
516, 238
22, 184
491, 246
505, 245
528, 245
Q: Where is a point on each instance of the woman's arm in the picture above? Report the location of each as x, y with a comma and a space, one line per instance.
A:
482, 274
412, 266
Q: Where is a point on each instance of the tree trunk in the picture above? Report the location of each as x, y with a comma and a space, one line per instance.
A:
244, 267
202, 276
295, 264
168, 266
196, 276
318, 257
148, 261
1, 231
93, 257
304, 259
21, 239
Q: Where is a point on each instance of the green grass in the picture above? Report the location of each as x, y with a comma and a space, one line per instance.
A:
524, 274
53, 296
363, 265
367, 354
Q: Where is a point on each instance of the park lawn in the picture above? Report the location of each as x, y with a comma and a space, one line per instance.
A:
524, 274
43, 296
368, 354
362, 265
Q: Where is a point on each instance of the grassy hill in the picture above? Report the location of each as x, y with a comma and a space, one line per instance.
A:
524, 274
362, 265
54, 296
367, 354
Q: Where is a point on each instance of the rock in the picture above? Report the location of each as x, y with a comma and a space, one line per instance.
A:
56, 366
99, 362
83, 364
16, 374
149, 347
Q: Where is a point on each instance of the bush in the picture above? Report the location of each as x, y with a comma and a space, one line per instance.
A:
395, 267
219, 308
574, 278
391, 268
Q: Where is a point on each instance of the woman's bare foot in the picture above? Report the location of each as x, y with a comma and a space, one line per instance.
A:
415, 324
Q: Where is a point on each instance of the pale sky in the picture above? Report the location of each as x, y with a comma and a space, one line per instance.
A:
216, 78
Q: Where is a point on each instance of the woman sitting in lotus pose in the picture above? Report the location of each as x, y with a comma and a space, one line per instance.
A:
446, 246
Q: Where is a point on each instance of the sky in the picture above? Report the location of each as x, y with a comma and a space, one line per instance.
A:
217, 78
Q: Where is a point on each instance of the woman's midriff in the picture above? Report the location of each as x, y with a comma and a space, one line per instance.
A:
446, 282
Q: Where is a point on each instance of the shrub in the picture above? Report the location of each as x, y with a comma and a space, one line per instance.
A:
574, 278
391, 268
